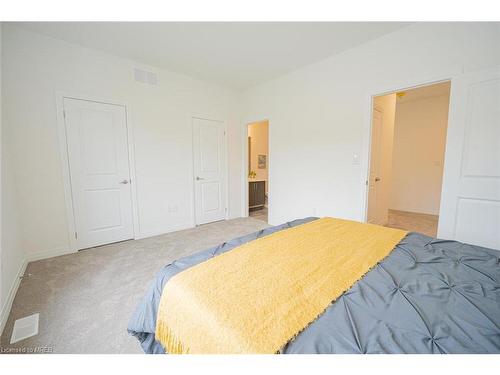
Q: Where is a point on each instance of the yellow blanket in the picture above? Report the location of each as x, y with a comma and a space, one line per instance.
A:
260, 295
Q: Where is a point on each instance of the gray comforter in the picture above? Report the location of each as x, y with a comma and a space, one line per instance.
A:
427, 296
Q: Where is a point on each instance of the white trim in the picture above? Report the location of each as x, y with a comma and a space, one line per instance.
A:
192, 192
245, 203
12, 294
46, 254
244, 184
226, 169
133, 177
412, 83
160, 232
63, 153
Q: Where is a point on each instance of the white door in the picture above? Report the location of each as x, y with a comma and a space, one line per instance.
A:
375, 214
470, 199
98, 156
209, 170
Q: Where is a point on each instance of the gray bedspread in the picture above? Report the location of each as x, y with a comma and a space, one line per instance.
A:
427, 296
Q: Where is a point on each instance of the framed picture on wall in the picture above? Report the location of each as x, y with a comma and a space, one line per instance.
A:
262, 161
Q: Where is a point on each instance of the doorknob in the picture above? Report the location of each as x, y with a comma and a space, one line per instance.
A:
199, 178
377, 179
124, 182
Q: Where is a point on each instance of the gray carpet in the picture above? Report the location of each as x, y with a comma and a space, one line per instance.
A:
85, 299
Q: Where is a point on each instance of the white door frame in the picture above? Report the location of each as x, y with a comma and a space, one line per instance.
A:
225, 169
245, 203
412, 83
63, 153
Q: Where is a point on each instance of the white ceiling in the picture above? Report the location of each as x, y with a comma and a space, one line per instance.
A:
237, 55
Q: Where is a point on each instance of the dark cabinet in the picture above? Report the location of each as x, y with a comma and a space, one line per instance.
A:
256, 194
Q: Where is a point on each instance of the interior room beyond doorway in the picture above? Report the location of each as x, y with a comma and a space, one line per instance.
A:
407, 157
258, 167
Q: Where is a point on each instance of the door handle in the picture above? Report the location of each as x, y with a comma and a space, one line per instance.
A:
124, 182
199, 178
377, 179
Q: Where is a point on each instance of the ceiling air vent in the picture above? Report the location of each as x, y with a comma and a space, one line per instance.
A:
146, 77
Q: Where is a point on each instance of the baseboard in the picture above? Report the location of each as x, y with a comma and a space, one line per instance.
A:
174, 228
48, 254
415, 212
12, 294
382, 223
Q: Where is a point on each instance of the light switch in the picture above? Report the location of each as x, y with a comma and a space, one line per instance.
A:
355, 158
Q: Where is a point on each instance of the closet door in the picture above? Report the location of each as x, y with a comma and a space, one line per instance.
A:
209, 154
96, 135
470, 200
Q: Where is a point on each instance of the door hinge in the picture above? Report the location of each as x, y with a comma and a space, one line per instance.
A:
76, 235
64, 113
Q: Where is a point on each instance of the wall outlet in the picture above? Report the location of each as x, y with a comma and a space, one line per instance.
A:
172, 208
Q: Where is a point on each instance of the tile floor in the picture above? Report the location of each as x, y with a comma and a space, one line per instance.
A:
259, 214
415, 222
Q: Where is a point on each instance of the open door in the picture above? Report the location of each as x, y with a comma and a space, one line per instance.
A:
470, 203
376, 213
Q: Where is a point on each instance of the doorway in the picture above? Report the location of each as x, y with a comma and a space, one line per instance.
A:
258, 169
99, 172
408, 141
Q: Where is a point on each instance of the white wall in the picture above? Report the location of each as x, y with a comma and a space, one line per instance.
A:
1, 190
319, 114
12, 256
259, 146
36, 67
419, 145
387, 104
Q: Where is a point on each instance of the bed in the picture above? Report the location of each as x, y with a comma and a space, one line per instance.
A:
427, 296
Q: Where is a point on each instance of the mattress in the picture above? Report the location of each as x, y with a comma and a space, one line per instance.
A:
427, 296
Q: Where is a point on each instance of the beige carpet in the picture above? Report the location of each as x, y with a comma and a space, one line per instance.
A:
86, 299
